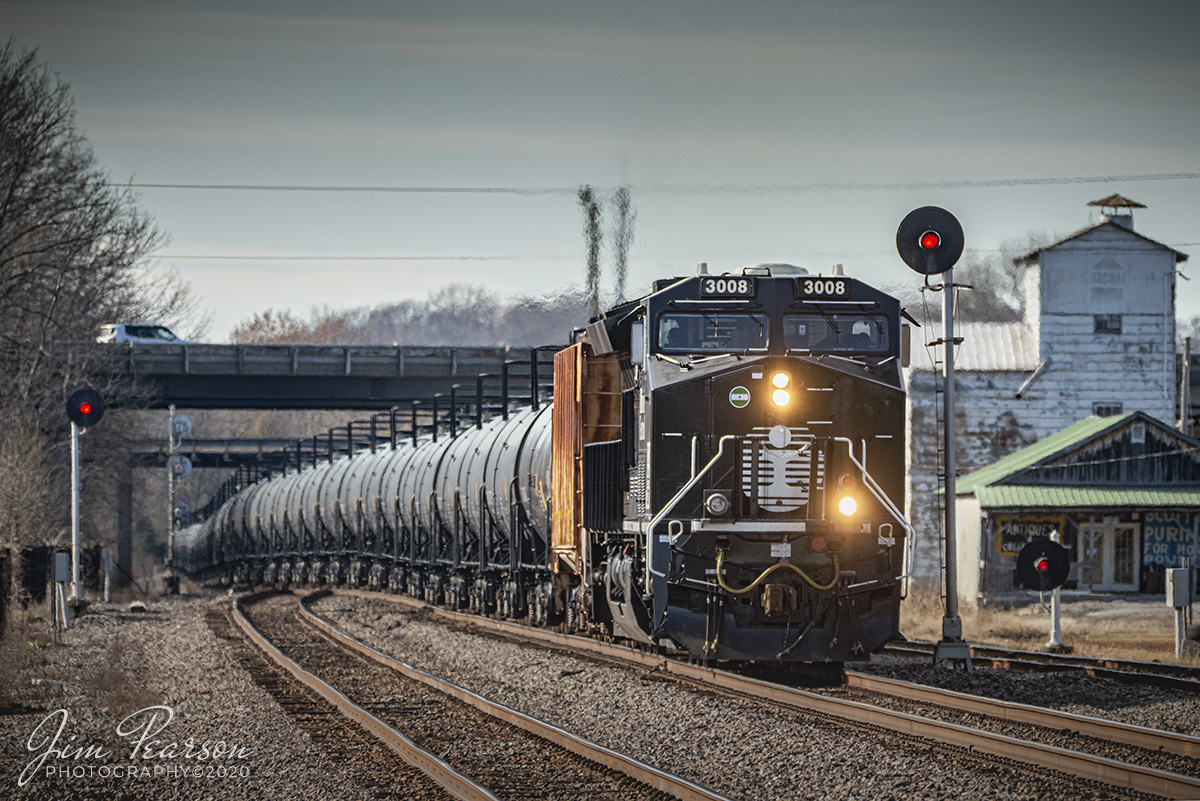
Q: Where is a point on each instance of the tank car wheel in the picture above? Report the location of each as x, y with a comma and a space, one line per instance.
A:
541, 605
474, 601
572, 617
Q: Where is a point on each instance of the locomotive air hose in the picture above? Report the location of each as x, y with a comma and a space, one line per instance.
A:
762, 576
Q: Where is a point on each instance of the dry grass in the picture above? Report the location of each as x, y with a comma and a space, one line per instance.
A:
22, 652
34, 672
1102, 626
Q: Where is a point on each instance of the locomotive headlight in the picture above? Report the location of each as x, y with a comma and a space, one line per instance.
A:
780, 380
847, 506
716, 504
781, 397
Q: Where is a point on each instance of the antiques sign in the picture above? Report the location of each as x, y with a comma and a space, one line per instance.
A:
1014, 532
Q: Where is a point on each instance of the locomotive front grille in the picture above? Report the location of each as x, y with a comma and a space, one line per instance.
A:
780, 466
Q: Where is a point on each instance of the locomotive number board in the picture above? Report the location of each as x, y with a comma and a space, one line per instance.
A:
836, 288
728, 286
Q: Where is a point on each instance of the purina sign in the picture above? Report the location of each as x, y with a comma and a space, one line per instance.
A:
1168, 537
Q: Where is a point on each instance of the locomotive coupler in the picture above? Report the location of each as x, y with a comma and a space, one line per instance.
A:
778, 599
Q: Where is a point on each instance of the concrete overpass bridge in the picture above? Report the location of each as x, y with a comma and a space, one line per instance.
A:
368, 377
406, 388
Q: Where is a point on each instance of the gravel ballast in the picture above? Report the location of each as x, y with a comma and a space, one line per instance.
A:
117, 662
736, 747
1069, 691
114, 663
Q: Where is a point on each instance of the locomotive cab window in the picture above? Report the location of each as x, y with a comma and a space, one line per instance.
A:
837, 332
712, 331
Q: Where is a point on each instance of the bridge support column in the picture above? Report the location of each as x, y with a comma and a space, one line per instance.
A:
124, 525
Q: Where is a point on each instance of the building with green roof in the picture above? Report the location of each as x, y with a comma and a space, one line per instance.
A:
1122, 491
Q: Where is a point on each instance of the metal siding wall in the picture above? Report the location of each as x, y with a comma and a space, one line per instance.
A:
602, 387
566, 452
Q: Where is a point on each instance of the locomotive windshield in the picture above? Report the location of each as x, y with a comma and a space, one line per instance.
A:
712, 331
836, 332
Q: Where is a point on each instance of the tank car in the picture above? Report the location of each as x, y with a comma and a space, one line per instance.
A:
721, 470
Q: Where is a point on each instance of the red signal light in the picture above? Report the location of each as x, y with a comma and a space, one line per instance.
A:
85, 407
1042, 565
930, 240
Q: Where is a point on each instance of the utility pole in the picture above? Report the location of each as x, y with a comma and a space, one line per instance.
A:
178, 467
170, 488
951, 646
85, 407
76, 599
930, 241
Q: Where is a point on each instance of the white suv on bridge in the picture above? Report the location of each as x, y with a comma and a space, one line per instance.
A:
146, 333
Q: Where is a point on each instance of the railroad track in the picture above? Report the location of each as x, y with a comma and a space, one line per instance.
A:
360, 761
1147, 761
1126, 671
470, 747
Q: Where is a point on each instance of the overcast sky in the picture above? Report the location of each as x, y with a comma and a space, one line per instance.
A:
747, 132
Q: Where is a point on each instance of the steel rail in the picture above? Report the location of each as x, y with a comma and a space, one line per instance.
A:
1125, 733
669, 783
437, 769
1157, 674
1137, 778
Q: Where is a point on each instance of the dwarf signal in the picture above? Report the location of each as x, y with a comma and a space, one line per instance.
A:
1043, 565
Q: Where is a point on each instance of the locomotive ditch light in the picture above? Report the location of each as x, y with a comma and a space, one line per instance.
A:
847, 505
780, 380
781, 397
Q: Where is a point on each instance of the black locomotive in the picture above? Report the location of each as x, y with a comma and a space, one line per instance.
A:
721, 470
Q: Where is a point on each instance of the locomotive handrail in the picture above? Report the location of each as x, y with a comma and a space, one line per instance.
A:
671, 505
877, 491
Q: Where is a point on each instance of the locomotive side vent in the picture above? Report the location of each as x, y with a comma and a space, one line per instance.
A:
604, 476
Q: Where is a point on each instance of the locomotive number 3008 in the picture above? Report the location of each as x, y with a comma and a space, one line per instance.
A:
824, 288
743, 287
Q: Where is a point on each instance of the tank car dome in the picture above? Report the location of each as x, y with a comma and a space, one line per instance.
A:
771, 268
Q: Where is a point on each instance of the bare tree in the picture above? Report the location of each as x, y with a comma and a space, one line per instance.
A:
591, 234
324, 327
996, 281
622, 238
74, 254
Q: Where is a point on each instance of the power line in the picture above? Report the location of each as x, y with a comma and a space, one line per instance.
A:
696, 189
418, 190
880, 186
513, 256
1114, 460
510, 257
